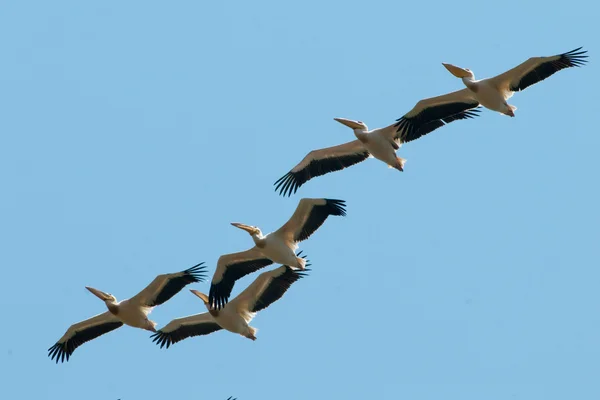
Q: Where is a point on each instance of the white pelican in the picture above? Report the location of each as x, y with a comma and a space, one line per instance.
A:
275, 247
237, 314
492, 93
133, 312
380, 143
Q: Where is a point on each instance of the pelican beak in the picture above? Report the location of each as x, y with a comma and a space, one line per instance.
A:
349, 123
247, 228
201, 295
456, 71
98, 293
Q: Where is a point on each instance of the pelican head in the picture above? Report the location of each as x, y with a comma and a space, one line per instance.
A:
252, 230
106, 297
201, 295
355, 125
458, 71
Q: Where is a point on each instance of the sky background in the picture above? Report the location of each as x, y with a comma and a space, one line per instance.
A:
132, 134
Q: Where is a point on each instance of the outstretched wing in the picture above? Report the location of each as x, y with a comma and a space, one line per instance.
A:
183, 328
269, 287
429, 114
82, 332
309, 216
165, 286
230, 268
321, 162
536, 69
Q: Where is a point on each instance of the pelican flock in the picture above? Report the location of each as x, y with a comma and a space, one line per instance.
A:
281, 245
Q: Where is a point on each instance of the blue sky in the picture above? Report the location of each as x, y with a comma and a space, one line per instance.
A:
133, 134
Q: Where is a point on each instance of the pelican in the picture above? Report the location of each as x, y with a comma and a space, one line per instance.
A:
380, 143
237, 314
133, 312
493, 93
276, 247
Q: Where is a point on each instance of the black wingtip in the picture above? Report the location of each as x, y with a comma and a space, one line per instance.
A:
287, 184
575, 58
302, 274
58, 352
218, 296
161, 339
197, 272
576, 51
337, 207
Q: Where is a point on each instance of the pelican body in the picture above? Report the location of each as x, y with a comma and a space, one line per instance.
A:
484, 91
274, 247
230, 318
378, 142
129, 312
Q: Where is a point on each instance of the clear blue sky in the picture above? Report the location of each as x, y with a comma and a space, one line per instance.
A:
133, 133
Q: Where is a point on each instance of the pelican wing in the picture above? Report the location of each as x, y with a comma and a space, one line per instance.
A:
230, 268
183, 328
536, 69
165, 286
82, 332
266, 289
429, 114
320, 162
309, 216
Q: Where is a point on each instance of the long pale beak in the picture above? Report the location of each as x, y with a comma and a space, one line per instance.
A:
98, 293
349, 123
201, 295
247, 228
456, 71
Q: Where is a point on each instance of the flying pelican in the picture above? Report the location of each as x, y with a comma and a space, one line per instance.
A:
380, 143
237, 314
133, 312
275, 247
492, 93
